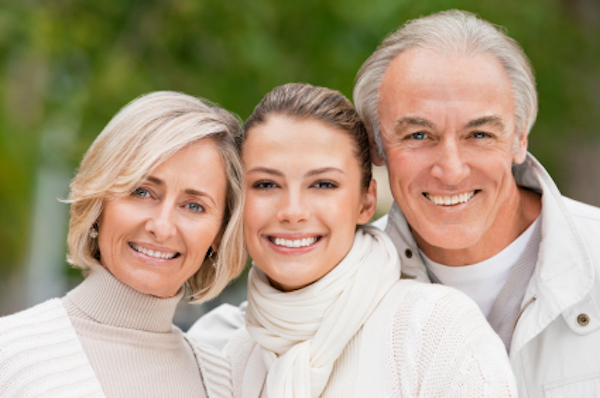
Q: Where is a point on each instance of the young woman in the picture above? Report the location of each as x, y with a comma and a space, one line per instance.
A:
327, 314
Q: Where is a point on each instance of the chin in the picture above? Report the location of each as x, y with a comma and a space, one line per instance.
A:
451, 238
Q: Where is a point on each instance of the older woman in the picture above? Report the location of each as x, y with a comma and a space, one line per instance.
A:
155, 214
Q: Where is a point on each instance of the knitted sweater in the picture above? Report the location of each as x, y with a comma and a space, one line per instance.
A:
421, 341
105, 339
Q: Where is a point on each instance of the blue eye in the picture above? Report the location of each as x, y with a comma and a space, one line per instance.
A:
479, 134
419, 135
263, 185
141, 192
195, 207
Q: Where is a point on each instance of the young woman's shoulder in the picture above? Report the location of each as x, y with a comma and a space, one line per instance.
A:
438, 342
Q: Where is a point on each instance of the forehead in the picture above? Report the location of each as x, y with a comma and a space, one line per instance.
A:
290, 132
288, 140
420, 80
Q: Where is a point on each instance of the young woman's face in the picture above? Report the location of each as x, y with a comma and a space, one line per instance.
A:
304, 199
156, 238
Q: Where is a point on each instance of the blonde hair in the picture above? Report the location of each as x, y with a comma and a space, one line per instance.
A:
452, 32
145, 133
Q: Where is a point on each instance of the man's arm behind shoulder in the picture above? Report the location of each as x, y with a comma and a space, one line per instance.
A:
216, 327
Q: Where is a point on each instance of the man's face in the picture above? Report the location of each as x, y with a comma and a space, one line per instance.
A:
448, 131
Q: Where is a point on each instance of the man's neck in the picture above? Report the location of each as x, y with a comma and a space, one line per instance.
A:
509, 224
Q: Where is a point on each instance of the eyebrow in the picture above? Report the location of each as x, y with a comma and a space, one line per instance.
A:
278, 173
323, 170
403, 123
265, 170
493, 120
188, 191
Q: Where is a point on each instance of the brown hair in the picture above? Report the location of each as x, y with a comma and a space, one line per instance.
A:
305, 101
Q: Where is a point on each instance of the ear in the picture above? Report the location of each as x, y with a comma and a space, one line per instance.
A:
520, 152
369, 203
217, 242
376, 158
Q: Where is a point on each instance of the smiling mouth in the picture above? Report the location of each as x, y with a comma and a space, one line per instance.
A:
294, 243
450, 200
153, 253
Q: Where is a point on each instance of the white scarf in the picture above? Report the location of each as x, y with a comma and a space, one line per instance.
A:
303, 332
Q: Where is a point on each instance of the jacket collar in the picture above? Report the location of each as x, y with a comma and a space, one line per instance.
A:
564, 273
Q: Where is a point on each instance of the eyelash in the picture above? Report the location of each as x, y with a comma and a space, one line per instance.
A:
413, 135
328, 185
264, 184
145, 193
480, 134
141, 192
200, 210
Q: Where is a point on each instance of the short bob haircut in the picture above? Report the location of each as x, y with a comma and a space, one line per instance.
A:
305, 101
454, 33
140, 137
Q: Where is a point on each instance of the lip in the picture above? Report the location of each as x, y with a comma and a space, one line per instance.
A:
149, 252
305, 238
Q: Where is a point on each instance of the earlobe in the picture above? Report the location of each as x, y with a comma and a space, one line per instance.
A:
369, 204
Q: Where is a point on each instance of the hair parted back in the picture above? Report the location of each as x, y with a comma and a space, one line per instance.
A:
305, 101
455, 33
141, 136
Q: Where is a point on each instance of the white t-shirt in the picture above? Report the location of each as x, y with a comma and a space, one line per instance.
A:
483, 281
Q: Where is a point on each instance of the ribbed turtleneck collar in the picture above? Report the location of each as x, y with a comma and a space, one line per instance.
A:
106, 300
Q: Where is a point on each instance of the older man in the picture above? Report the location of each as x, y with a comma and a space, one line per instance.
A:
449, 101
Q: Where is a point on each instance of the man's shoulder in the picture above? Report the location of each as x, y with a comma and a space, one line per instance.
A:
582, 210
218, 326
381, 222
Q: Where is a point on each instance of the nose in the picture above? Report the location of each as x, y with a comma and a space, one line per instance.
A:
450, 165
292, 208
161, 223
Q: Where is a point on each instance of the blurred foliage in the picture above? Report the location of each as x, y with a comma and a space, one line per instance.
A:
68, 66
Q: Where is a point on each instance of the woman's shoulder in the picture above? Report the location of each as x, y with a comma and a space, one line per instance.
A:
411, 304
52, 307
46, 317
40, 354
435, 334
407, 295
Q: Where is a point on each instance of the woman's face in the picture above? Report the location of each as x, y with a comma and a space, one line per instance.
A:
157, 237
304, 199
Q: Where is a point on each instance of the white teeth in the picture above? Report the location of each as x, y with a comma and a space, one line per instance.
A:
450, 200
153, 253
294, 243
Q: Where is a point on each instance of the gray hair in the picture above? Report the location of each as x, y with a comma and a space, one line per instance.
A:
452, 32
140, 137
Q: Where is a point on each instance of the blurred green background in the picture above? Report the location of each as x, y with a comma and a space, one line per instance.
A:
68, 66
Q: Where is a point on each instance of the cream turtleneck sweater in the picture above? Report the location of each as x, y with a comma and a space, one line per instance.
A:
130, 340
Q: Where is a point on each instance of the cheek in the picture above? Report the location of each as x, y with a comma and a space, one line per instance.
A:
403, 170
253, 212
